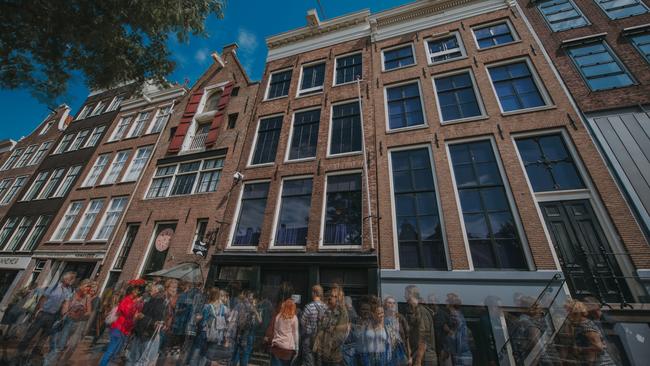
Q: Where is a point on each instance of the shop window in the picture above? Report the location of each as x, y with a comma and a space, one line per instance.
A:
127, 244
161, 241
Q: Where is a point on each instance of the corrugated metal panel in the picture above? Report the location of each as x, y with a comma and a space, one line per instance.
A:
625, 139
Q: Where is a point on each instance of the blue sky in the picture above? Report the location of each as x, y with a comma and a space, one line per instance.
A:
246, 22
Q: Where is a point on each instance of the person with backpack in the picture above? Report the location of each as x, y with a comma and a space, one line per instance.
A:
211, 342
311, 315
421, 329
243, 322
333, 330
143, 349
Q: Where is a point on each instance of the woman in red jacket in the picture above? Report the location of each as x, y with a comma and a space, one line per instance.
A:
128, 312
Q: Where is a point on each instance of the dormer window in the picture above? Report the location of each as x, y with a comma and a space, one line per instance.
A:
212, 102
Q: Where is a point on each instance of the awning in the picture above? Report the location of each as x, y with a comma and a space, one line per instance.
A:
189, 272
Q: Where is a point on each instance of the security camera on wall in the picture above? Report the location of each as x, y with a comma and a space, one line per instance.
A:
237, 177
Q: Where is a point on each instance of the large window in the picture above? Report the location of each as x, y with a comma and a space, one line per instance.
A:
116, 167
348, 68
312, 78
181, 179
617, 9
24, 158
561, 14
99, 108
84, 112
548, 163
345, 136
600, 68
127, 244
266, 141
12, 159
7, 229
138, 163
279, 84
111, 216
67, 221
13, 190
139, 125
115, 103
96, 170
159, 122
343, 213
68, 180
36, 186
78, 140
516, 87
251, 214
457, 97
212, 102
36, 234
419, 231
404, 106
21, 233
642, 43
490, 226
88, 219
304, 135
398, 57
4, 186
293, 218
40, 153
95, 136
64, 144
446, 48
121, 128
52, 184
493, 35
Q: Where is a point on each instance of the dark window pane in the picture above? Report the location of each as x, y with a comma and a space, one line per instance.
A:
343, 210
398, 57
515, 87
279, 84
404, 106
312, 78
456, 97
266, 145
251, 215
348, 68
346, 128
493, 35
294, 212
599, 67
305, 135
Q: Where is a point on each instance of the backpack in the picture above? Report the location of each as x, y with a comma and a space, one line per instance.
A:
215, 328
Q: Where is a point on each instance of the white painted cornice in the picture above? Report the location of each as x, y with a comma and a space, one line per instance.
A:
155, 97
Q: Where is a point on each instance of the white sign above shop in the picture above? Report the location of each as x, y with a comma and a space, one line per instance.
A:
14, 262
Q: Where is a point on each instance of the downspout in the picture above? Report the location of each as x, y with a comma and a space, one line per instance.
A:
365, 165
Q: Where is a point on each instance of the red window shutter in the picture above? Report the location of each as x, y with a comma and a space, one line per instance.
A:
215, 127
193, 103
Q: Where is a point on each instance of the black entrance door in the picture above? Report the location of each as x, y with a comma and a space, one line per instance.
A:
587, 259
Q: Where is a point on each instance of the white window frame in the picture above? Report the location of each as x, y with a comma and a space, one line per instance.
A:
124, 121
329, 130
127, 154
46, 128
94, 131
159, 114
133, 159
336, 62
24, 158
392, 48
42, 149
32, 191
84, 112
509, 195
31, 232
143, 116
513, 32
102, 221
99, 109
154, 177
321, 235
176, 166
15, 232
249, 163
461, 48
12, 159
76, 138
393, 211
276, 215
9, 184
313, 90
195, 236
6, 199
477, 95
268, 84
233, 227
58, 192
60, 147
424, 112
291, 129
86, 182
41, 194
115, 103
548, 102
78, 225
59, 226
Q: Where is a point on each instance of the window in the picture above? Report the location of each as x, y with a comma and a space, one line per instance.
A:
343, 210
642, 43
199, 232
36, 186
138, 125
96, 170
548, 164
127, 244
161, 182
21, 233
399, 57
198, 140
79, 139
84, 112
111, 216
446, 48
561, 14
40, 153
251, 214
457, 98
8, 229
95, 136
348, 68
493, 35
46, 128
210, 174
52, 184
345, 134
232, 120
617, 9
121, 128
11, 160
67, 220
279, 84
489, 223
515, 87
87, 220
293, 218
4, 186
312, 79
36, 234
184, 181
212, 102
419, 231
404, 106
67, 182
26, 156
304, 134
266, 141
234, 92
99, 108
13, 191
116, 167
138, 163
159, 122
600, 68
115, 103
65, 142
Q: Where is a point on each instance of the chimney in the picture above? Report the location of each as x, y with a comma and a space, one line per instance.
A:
312, 18
229, 48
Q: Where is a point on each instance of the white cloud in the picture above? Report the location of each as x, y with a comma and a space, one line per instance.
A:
247, 41
201, 55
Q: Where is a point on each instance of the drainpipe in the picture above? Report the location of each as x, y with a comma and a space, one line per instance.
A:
365, 164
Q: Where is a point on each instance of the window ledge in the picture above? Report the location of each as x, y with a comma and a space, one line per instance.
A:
241, 249
263, 165
339, 248
346, 83
309, 93
126, 182
463, 120
285, 248
97, 241
409, 128
529, 110
342, 155
303, 160
399, 68
499, 45
276, 98
464, 57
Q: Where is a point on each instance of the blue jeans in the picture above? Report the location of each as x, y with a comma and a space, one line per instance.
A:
278, 362
114, 346
59, 340
242, 353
